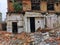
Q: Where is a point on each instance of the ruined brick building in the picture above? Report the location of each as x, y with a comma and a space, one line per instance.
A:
29, 15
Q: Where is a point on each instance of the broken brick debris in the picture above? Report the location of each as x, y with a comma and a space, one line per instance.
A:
7, 38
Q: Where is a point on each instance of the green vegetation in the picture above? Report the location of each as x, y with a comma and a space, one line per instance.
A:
17, 6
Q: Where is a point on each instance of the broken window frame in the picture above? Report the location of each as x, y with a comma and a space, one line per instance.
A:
50, 6
35, 4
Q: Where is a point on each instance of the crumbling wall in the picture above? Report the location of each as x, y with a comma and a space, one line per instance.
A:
26, 5
57, 7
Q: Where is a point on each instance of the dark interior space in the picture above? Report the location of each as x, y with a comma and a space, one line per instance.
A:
35, 4
50, 6
14, 27
32, 24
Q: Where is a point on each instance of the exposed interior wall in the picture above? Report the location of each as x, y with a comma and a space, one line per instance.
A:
51, 20
39, 22
14, 18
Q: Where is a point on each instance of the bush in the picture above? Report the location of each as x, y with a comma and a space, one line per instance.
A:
17, 7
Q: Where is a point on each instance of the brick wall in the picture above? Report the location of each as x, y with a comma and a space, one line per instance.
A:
10, 6
43, 6
27, 6
57, 7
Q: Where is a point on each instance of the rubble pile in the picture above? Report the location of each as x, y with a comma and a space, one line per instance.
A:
24, 38
43, 30
53, 41
7, 38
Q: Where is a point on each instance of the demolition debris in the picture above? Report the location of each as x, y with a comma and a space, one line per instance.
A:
24, 38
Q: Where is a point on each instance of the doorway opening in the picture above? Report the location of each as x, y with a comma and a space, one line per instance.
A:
32, 24
14, 27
